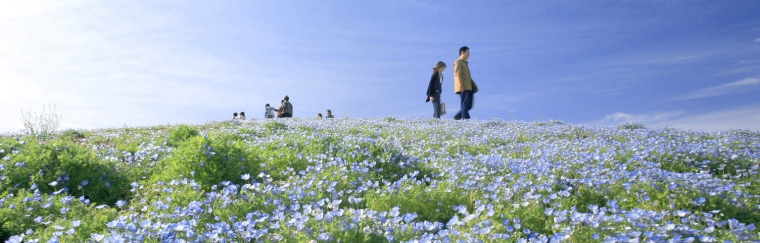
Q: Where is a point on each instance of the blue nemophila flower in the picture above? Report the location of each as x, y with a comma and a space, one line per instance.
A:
16, 239
323, 237
47, 204
700, 201
67, 200
84, 183
97, 237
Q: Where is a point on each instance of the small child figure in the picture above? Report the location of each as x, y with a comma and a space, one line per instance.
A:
242, 116
234, 116
269, 111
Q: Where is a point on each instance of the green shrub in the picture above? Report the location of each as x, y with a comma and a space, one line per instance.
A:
209, 161
390, 119
73, 135
62, 164
275, 126
632, 126
431, 204
15, 222
387, 162
181, 133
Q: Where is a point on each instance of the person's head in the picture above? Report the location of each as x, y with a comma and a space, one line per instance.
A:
439, 67
464, 52
282, 102
267, 105
319, 115
234, 114
329, 112
287, 98
242, 113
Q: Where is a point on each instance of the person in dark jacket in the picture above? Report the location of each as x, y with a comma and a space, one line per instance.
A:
434, 88
287, 108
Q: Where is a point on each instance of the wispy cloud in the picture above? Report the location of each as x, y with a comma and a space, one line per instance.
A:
745, 69
724, 89
620, 118
740, 118
730, 119
757, 40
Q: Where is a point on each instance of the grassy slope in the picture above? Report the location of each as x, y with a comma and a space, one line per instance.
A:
381, 179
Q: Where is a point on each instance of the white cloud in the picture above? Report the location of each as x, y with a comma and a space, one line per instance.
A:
624, 118
757, 40
741, 118
738, 118
724, 89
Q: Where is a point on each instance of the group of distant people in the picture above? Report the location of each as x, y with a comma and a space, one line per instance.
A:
464, 86
285, 110
236, 117
329, 114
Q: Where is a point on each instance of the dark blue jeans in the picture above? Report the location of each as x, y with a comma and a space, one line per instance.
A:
437, 106
466, 105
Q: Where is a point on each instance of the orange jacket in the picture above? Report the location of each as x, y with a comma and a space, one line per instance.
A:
462, 79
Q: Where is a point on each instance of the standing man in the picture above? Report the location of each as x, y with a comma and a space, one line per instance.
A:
287, 108
463, 84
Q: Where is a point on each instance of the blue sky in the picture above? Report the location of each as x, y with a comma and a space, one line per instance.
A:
683, 64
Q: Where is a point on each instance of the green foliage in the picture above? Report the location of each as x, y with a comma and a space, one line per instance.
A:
576, 133
550, 123
586, 196
531, 216
388, 163
62, 164
358, 236
73, 135
632, 126
209, 161
408, 168
14, 222
459, 149
433, 204
181, 133
748, 214
275, 126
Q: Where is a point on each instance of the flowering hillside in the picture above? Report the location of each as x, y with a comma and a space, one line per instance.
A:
381, 180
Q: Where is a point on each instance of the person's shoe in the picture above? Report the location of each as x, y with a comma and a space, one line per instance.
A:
457, 118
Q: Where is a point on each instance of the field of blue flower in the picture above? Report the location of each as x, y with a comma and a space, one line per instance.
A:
381, 180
